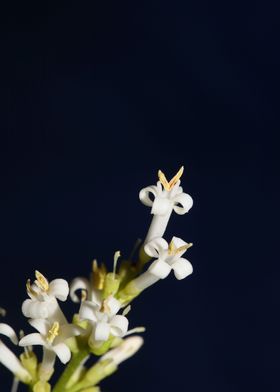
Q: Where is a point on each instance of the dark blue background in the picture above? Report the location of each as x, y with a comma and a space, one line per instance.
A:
95, 98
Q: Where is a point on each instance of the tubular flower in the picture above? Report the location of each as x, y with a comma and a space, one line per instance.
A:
52, 336
168, 257
43, 298
164, 198
103, 319
8, 358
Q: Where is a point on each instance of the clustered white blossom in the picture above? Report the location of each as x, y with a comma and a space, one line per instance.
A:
101, 324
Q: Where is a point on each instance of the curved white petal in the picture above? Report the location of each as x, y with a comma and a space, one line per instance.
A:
11, 362
119, 325
63, 352
33, 339
59, 288
182, 268
178, 242
160, 269
182, 203
87, 311
34, 309
41, 325
155, 247
161, 206
102, 331
113, 304
8, 331
145, 195
78, 284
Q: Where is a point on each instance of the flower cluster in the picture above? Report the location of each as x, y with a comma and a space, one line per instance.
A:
100, 326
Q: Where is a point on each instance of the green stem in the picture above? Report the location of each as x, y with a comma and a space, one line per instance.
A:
75, 362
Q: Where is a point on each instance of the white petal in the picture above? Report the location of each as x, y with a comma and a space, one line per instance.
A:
145, 195
161, 206
182, 203
41, 325
102, 331
33, 339
155, 247
178, 242
59, 288
87, 311
78, 284
160, 269
124, 351
119, 325
182, 268
8, 331
11, 362
67, 331
63, 352
34, 309
113, 304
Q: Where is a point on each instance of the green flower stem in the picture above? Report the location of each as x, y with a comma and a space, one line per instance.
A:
74, 363
94, 375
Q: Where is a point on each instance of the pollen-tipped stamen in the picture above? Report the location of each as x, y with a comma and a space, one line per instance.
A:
169, 185
53, 332
41, 281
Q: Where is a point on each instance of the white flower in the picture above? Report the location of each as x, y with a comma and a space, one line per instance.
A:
8, 358
104, 319
43, 298
166, 197
124, 351
52, 336
168, 257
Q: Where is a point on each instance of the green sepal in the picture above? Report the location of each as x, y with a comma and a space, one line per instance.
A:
30, 363
128, 293
103, 348
111, 285
42, 386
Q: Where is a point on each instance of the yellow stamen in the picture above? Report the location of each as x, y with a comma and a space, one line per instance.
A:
172, 250
53, 332
41, 281
105, 307
99, 274
2, 312
29, 289
169, 185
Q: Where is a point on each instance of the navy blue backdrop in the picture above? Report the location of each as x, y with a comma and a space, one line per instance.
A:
95, 98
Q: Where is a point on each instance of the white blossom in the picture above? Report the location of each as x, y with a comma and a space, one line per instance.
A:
43, 298
168, 258
164, 198
52, 336
103, 319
